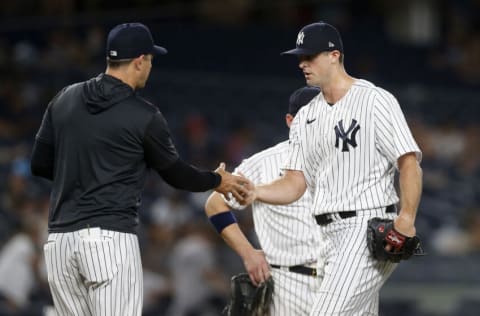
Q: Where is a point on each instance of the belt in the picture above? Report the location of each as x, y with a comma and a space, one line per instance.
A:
325, 219
298, 269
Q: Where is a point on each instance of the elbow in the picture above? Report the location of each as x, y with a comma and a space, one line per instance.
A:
41, 171
299, 184
302, 187
209, 210
35, 169
42, 160
296, 194
215, 205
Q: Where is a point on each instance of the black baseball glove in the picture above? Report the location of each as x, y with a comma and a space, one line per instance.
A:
380, 232
247, 299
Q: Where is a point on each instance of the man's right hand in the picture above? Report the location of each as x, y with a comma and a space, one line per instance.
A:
257, 266
239, 186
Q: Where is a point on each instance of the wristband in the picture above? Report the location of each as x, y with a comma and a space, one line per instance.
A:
222, 220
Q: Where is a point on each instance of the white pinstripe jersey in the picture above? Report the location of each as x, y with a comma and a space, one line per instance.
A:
287, 233
348, 152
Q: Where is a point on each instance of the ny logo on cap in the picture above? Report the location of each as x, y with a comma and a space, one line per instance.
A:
300, 38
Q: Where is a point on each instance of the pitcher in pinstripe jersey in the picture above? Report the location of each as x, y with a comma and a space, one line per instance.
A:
345, 147
287, 234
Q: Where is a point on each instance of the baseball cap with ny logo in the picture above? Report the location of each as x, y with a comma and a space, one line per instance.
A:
316, 38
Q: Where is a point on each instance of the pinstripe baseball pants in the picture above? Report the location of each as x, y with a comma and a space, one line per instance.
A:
352, 277
294, 293
95, 272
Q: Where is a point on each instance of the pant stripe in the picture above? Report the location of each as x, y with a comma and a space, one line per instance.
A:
95, 273
352, 278
293, 293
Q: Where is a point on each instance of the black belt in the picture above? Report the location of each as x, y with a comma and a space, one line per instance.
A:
325, 219
298, 269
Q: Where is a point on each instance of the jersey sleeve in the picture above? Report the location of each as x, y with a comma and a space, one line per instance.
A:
160, 152
295, 160
393, 136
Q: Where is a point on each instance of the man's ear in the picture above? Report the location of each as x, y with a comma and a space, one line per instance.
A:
335, 55
288, 119
137, 62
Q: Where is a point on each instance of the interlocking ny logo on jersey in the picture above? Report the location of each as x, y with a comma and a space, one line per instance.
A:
343, 135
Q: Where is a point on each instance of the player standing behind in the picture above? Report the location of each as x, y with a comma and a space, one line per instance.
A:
97, 140
287, 234
345, 147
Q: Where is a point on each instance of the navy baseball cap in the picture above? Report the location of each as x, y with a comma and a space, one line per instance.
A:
301, 97
130, 40
316, 38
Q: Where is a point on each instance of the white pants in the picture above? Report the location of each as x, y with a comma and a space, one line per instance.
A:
352, 279
293, 293
94, 272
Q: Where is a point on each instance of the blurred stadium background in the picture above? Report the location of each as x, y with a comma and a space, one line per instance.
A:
224, 88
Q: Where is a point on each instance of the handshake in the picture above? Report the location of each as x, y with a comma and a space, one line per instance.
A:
242, 189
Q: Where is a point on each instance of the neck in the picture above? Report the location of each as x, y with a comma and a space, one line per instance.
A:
337, 86
122, 75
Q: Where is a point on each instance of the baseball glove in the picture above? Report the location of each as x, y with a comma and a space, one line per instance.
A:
247, 299
380, 232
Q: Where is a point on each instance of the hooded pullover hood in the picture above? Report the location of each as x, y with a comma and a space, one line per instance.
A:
103, 92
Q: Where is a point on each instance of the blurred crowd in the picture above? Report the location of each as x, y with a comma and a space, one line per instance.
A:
433, 70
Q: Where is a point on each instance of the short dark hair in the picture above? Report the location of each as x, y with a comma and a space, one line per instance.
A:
341, 58
114, 64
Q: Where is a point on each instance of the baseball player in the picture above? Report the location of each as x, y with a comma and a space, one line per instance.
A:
97, 140
287, 234
345, 146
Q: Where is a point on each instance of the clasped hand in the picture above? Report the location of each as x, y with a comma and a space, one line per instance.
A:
237, 185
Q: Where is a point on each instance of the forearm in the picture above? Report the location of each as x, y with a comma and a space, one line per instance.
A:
232, 234
236, 239
284, 190
253, 259
183, 176
410, 181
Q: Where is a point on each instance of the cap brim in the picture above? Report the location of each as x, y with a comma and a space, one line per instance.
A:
299, 51
159, 50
